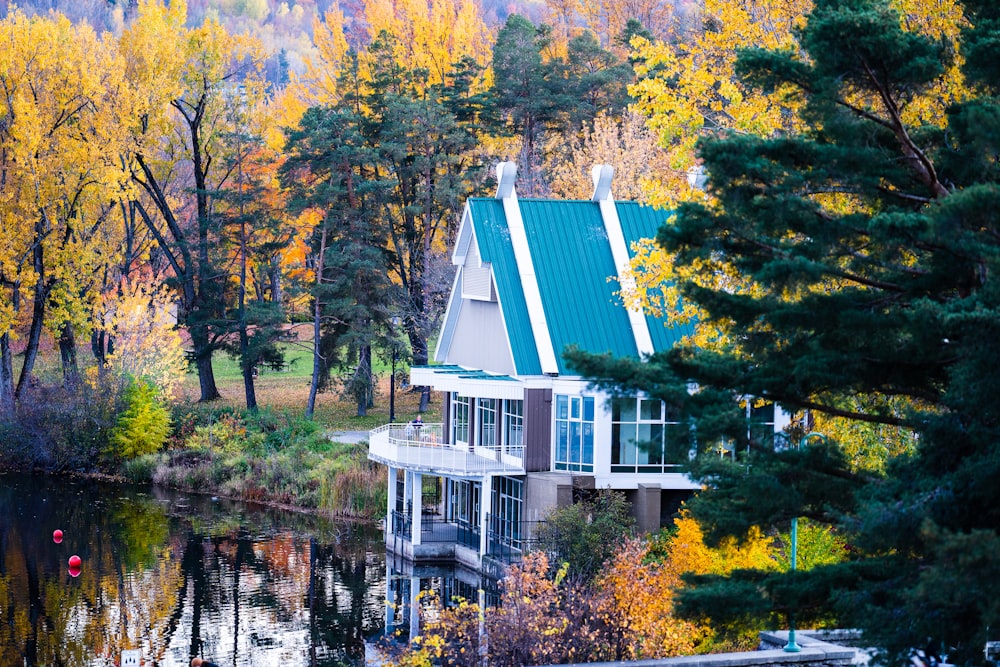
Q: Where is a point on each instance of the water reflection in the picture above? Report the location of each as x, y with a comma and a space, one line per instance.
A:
176, 576
406, 582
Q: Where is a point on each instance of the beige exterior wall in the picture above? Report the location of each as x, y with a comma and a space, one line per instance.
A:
480, 340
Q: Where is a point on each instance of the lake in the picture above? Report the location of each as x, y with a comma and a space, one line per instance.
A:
176, 575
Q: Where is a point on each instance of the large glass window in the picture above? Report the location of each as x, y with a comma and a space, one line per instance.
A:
464, 501
486, 422
760, 424
459, 419
645, 437
513, 428
505, 517
575, 433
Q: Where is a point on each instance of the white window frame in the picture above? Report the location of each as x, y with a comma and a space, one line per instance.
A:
578, 433
487, 431
460, 413
513, 428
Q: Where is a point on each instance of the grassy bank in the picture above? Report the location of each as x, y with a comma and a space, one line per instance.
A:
271, 456
275, 456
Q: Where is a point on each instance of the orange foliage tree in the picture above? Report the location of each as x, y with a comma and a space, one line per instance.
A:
640, 582
542, 619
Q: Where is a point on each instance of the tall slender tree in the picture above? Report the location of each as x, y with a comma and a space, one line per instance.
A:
330, 168
528, 93
188, 81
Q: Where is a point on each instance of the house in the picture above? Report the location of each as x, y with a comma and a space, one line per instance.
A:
522, 433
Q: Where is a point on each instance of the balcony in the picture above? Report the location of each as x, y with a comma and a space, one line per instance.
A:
423, 449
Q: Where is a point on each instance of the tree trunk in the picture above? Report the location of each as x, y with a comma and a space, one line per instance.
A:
34, 338
97, 338
6, 376
203, 363
274, 273
246, 363
248, 382
317, 314
67, 354
420, 358
363, 378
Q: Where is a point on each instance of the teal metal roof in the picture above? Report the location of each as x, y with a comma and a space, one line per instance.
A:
467, 373
573, 261
643, 222
573, 264
493, 238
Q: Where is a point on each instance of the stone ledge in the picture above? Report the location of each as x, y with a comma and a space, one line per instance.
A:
815, 652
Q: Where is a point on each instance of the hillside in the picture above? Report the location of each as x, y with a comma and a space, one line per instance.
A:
284, 26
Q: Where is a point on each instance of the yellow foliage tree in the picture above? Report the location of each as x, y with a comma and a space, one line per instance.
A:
640, 603
431, 36
689, 87
317, 86
195, 88
627, 144
61, 137
140, 315
608, 18
640, 582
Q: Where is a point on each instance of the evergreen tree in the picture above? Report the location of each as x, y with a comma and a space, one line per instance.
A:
330, 168
426, 156
528, 93
253, 234
596, 79
856, 259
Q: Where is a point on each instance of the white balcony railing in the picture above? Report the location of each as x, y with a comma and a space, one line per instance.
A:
423, 448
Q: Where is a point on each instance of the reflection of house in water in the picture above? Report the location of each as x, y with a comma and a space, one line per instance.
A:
447, 582
522, 432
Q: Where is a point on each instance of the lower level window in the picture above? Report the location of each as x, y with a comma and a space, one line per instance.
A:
574, 433
505, 522
645, 437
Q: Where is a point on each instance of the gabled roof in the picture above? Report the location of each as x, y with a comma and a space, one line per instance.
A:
572, 269
495, 247
643, 222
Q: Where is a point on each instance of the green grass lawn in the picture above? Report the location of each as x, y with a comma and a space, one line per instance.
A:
288, 389
283, 390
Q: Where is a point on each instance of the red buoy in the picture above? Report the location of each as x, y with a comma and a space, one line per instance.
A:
75, 562
74, 572
57, 536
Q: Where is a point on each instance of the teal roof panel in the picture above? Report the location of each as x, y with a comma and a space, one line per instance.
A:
643, 222
466, 373
493, 238
573, 262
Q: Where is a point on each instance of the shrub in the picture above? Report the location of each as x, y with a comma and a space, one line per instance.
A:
587, 533
226, 433
142, 468
60, 428
356, 487
143, 424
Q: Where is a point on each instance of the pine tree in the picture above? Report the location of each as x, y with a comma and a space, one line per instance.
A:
330, 168
858, 258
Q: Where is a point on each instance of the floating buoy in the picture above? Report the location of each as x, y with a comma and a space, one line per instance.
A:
57, 536
75, 562
74, 572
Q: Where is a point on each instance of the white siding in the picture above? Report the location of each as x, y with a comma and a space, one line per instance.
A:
477, 278
480, 340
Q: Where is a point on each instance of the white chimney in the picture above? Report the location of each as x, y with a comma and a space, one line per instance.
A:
506, 174
602, 175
